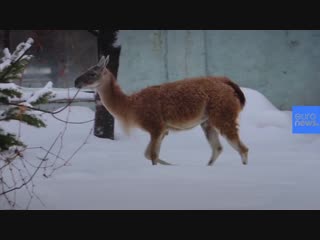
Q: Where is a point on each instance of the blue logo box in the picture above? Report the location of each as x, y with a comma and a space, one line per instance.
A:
306, 119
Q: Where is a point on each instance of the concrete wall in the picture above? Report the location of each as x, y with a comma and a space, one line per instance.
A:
283, 65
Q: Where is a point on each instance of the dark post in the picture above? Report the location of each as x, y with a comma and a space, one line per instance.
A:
6, 39
104, 122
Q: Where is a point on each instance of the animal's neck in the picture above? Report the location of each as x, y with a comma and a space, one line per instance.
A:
113, 98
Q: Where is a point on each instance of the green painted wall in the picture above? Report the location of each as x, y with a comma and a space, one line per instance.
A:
283, 65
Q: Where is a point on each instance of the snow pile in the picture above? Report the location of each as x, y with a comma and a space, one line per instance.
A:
262, 113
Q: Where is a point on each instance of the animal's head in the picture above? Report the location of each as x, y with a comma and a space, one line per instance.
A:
93, 77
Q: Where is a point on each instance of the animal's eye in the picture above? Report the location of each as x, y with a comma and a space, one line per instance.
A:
92, 74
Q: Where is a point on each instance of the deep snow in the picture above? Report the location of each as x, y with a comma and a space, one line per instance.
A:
282, 172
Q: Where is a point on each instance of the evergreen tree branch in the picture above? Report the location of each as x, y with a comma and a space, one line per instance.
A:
12, 65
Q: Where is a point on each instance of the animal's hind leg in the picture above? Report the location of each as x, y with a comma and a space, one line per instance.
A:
233, 139
213, 139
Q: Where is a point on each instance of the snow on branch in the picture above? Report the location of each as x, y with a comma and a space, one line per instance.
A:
9, 90
8, 86
9, 58
42, 95
21, 49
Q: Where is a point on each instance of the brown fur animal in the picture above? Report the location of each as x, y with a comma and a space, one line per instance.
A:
212, 102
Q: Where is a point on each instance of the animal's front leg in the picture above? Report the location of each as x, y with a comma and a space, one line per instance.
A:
153, 149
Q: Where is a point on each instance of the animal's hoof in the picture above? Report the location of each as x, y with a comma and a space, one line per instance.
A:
245, 158
163, 162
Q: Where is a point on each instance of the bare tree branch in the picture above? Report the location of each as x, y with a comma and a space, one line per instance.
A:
35, 172
14, 176
73, 154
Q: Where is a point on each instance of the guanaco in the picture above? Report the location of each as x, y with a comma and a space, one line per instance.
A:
214, 103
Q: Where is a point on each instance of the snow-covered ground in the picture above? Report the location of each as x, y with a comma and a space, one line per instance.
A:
283, 170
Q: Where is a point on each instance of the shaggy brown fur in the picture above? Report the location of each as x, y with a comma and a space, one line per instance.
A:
212, 102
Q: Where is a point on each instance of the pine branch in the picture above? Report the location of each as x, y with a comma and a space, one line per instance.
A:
43, 99
11, 93
18, 57
18, 113
41, 96
30, 119
7, 140
15, 71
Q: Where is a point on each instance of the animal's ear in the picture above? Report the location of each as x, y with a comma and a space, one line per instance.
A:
101, 61
107, 60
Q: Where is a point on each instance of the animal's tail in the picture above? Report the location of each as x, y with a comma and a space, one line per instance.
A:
237, 90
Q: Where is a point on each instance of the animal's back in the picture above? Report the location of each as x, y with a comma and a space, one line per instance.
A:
184, 103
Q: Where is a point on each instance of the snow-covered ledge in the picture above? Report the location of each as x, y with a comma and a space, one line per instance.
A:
61, 95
